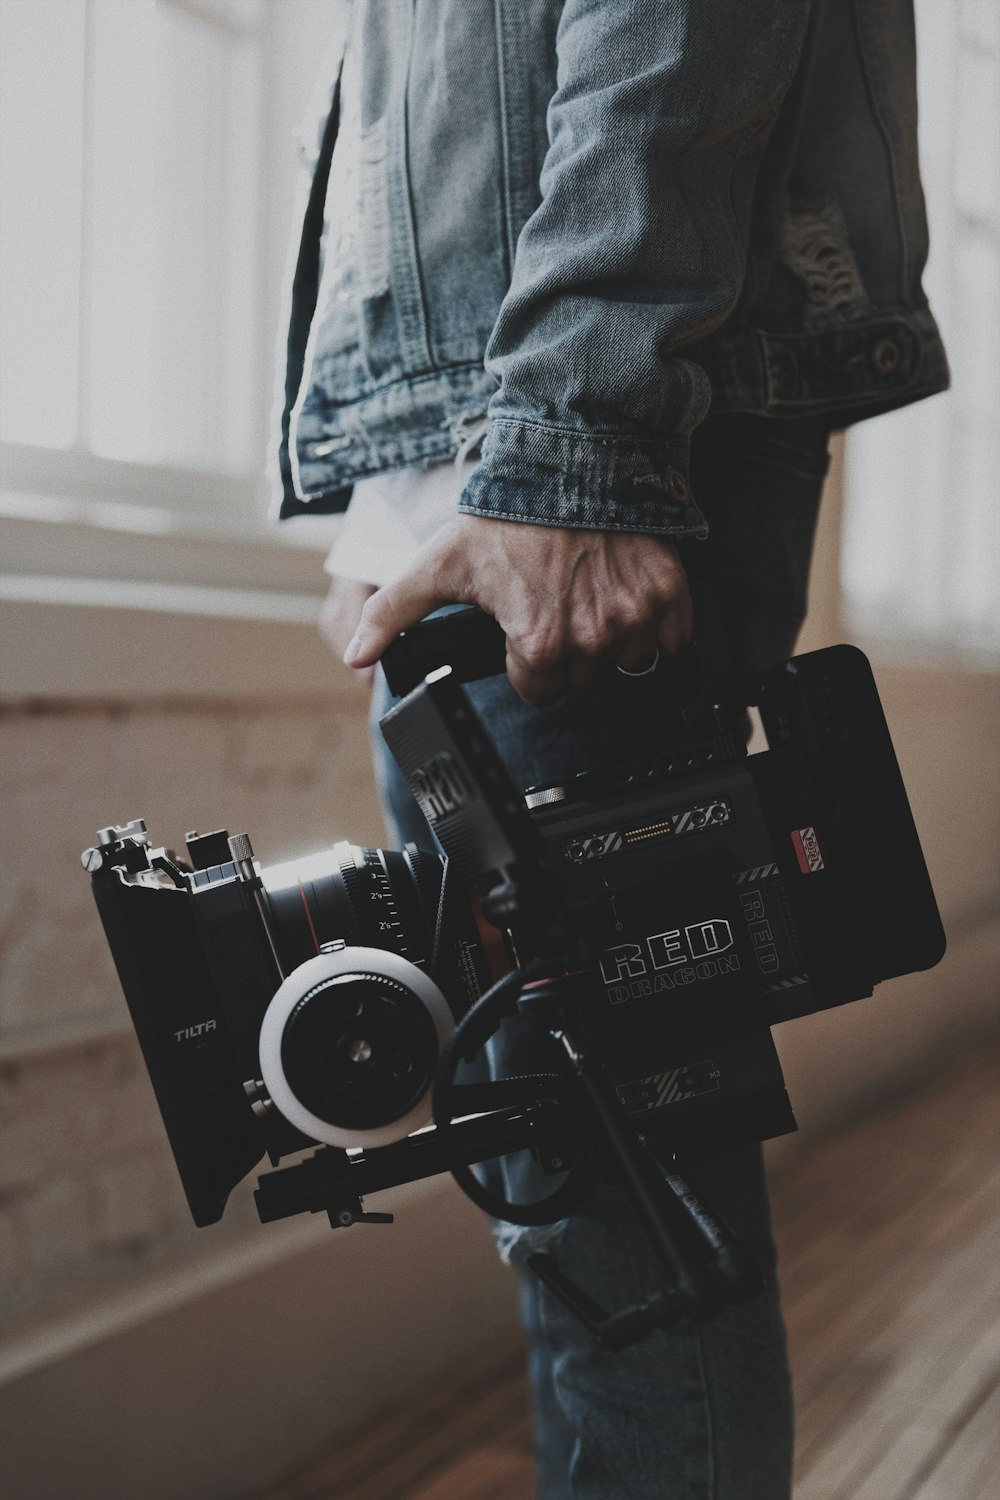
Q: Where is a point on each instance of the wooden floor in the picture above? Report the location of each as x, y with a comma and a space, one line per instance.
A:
889, 1245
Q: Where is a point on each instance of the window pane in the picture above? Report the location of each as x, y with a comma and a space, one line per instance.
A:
41, 175
922, 527
173, 373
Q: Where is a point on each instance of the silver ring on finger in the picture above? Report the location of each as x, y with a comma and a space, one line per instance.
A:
644, 667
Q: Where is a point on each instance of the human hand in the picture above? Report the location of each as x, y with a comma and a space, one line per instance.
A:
339, 616
568, 601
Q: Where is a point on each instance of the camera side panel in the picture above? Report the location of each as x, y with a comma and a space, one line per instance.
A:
842, 827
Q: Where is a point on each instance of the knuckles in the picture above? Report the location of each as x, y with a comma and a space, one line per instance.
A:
631, 617
541, 652
593, 639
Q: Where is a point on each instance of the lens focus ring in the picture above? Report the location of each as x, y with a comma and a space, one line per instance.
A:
351, 1063
359, 1050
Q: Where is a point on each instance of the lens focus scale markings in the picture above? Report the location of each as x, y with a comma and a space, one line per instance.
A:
383, 902
380, 898
373, 902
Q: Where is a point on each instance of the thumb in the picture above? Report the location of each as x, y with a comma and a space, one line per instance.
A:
423, 588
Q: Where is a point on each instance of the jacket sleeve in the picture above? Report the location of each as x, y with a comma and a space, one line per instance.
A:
637, 249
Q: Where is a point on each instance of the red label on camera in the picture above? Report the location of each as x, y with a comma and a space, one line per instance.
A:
807, 850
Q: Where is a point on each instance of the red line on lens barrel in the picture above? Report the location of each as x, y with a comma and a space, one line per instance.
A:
305, 903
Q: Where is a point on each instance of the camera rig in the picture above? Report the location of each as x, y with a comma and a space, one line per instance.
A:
653, 922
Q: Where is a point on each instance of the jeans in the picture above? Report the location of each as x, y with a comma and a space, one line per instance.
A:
693, 1413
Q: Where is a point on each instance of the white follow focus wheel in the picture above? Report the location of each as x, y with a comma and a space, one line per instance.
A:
306, 977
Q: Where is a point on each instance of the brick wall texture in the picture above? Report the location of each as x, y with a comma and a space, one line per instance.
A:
89, 1198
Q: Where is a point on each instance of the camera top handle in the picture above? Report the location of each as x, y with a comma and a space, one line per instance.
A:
467, 640
474, 646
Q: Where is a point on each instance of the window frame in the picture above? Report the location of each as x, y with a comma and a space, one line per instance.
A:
919, 526
78, 524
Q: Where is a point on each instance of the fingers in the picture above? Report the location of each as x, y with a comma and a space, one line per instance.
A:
560, 649
570, 659
637, 641
570, 603
339, 616
675, 629
341, 611
424, 588
537, 677
571, 649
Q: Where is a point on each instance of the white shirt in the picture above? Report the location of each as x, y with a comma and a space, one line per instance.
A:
391, 516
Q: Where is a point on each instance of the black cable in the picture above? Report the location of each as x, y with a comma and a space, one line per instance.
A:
468, 1038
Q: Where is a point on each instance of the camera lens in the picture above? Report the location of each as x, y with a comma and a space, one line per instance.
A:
378, 898
381, 958
359, 1050
349, 1045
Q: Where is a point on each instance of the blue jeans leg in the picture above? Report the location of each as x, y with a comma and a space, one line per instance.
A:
693, 1413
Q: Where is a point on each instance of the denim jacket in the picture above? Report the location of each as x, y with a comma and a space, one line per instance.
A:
571, 225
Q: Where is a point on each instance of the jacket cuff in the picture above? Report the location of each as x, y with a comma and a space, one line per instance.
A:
550, 476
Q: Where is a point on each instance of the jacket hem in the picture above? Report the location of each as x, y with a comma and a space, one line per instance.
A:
408, 421
586, 479
846, 372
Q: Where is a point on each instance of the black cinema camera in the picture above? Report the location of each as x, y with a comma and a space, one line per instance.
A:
653, 921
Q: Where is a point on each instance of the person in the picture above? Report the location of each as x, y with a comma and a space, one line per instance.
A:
578, 282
